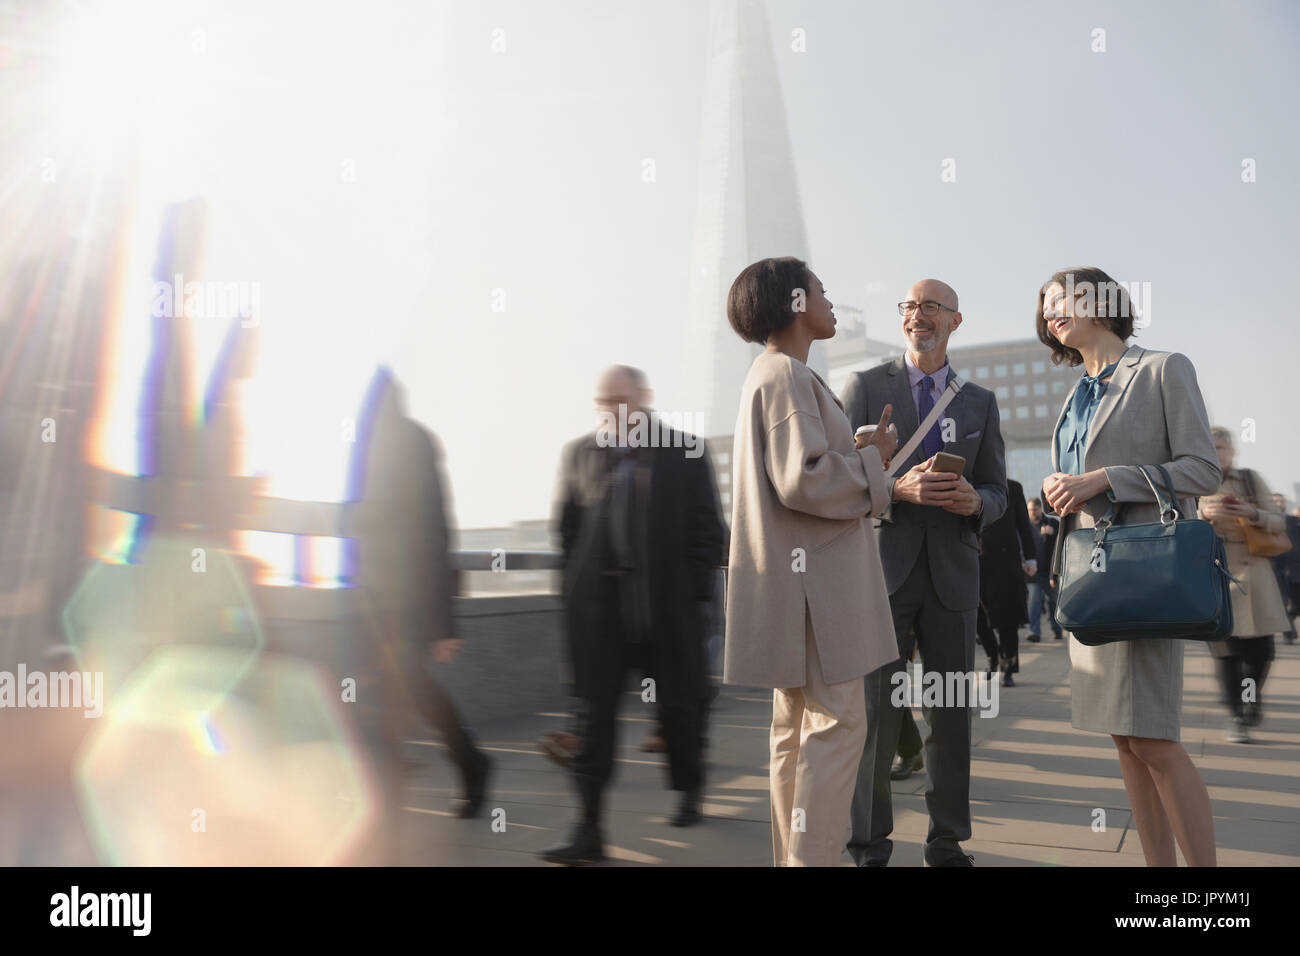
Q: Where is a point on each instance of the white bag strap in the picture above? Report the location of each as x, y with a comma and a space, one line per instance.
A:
903, 454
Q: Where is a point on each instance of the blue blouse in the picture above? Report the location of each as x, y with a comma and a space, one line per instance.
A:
1072, 434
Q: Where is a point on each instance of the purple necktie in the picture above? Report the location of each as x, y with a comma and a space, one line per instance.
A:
933, 440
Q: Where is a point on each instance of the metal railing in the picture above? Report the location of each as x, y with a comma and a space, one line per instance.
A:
514, 560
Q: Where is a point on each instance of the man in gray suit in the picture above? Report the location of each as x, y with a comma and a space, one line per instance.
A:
930, 551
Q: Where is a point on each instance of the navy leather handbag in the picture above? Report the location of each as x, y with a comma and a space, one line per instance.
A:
1159, 579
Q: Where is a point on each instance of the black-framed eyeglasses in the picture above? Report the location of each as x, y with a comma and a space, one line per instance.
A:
928, 307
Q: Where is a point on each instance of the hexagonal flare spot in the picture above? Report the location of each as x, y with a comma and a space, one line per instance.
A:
183, 592
183, 770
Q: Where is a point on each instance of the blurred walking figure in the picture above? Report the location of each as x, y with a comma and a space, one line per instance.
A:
1008, 554
409, 581
641, 534
1244, 502
807, 611
1286, 568
1042, 587
1133, 406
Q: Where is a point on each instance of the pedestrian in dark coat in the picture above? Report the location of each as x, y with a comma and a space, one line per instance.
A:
1008, 553
641, 532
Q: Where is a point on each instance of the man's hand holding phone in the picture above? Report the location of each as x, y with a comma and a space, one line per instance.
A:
923, 484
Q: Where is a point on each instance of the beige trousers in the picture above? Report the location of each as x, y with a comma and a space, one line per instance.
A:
818, 732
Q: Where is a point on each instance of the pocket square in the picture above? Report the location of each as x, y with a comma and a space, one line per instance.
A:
974, 434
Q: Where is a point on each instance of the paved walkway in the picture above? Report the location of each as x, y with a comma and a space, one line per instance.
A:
1035, 789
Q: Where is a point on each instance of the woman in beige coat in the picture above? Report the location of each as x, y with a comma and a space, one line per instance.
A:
1242, 660
807, 610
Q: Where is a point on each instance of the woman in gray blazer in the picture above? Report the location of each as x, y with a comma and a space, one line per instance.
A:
807, 610
1132, 407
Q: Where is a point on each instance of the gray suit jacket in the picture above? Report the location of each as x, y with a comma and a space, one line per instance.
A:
1152, 411
953, 545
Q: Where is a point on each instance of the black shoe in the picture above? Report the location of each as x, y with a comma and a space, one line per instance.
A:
902, 767
1251, 714
1033, 638
1007, 679
561, 747
475, 787
688, 812
586, 847
951, 858
1236, 733
1058, 635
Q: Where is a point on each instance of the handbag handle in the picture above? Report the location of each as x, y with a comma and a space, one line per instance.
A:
1167, 506
1169, 513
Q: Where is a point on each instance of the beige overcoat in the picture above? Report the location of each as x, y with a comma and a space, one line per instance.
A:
801, 494
1257, 608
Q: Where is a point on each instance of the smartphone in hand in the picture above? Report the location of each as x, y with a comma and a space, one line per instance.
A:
951, 464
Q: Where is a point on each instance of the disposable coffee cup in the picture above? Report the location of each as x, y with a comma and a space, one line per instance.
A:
863, 435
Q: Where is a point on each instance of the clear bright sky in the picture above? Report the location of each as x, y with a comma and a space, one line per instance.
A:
1129, 159
389, 172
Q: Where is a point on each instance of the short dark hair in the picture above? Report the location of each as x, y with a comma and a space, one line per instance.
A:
1112, 308
1034, 501
760, 301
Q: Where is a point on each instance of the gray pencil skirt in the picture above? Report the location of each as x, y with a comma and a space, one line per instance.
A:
1132, 688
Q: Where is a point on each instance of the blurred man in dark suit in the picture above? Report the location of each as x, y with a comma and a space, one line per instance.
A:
642, 535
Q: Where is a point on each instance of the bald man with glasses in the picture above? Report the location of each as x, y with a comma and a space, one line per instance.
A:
929, 545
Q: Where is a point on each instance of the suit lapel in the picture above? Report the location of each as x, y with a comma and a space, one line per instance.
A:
900, 394
959, 403
1114, 394
905, 414
1065, 406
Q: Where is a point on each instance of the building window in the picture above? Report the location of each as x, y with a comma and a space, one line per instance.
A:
1022, 391
982, 372
722, 457
724, 479
1002, 391
1040, 411
1040, 388
1000, 371
1058, 388
964, 373
1022, 411
1018, 368
1039, 367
